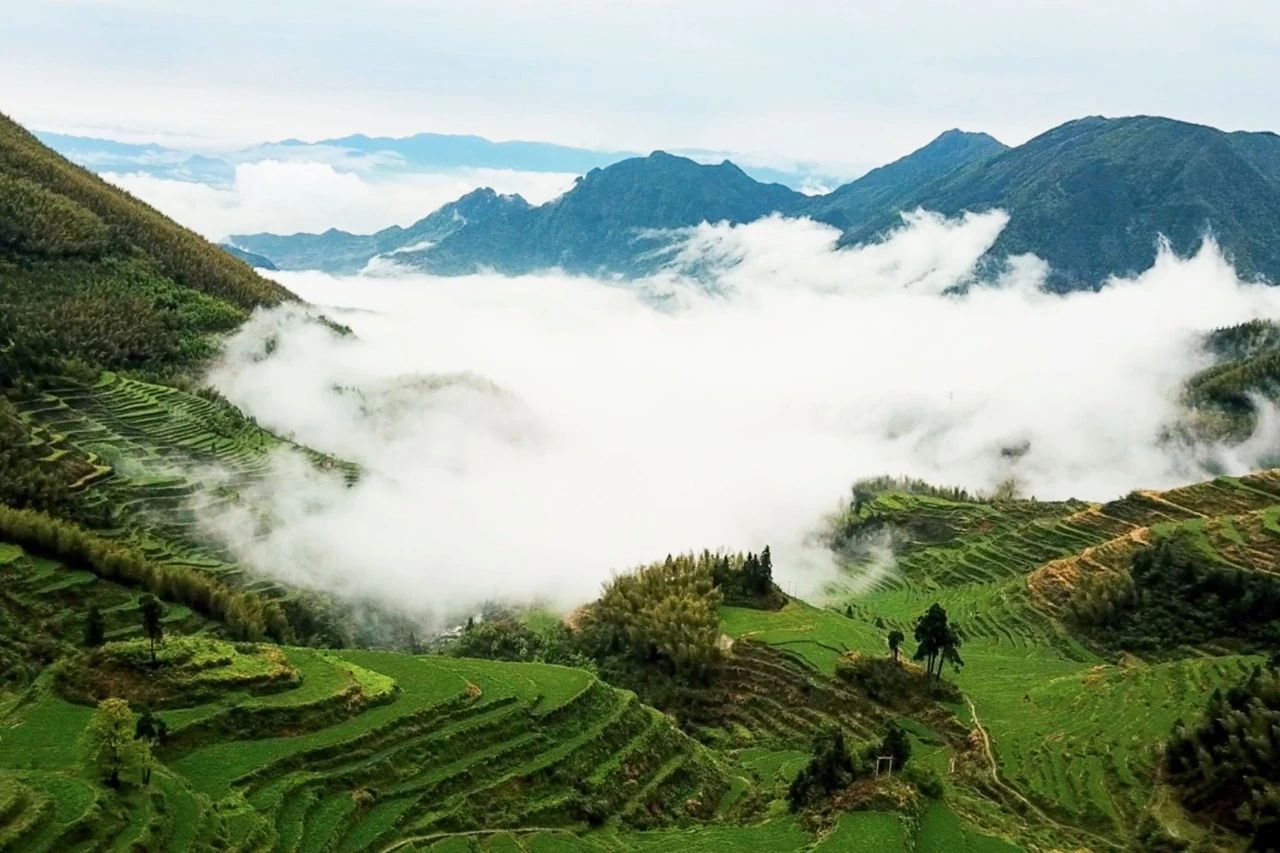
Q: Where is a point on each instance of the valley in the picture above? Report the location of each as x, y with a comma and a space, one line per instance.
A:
923, 667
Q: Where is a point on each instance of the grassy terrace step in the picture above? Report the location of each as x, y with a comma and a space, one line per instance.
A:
146, 453
461, 741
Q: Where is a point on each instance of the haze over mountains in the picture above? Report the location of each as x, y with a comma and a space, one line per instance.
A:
1092, 197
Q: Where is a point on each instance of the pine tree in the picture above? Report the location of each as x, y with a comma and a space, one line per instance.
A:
152, 615
94, 627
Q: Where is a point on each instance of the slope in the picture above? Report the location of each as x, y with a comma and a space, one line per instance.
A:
92, 278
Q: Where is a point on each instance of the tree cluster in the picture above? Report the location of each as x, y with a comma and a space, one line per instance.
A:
1174, 594
1227, 765
663, 616
505, 638
111, 746
832, 767
938, 641
746, 580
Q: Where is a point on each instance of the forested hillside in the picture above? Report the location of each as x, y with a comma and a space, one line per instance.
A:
91, 278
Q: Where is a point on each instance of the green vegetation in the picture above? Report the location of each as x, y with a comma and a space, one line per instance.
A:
112, 750
658, 621
1224, 765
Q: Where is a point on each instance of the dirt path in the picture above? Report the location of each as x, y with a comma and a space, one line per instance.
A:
1069, 831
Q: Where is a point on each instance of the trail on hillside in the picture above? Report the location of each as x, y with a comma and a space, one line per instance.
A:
1013, 792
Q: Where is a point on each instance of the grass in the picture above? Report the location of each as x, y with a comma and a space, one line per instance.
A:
867, 832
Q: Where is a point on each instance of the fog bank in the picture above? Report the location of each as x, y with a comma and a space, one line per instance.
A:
522, 437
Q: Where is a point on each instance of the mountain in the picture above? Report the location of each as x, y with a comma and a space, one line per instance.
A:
594, 227
342, 252
601, 225
1093, 196
94, 278
889, 187
421, 152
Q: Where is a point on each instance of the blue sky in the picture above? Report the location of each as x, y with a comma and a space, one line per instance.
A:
839, 83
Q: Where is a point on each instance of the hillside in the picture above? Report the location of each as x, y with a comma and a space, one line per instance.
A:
92, 276
108, 314
1092, 196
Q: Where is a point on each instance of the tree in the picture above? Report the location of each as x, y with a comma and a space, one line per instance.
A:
895, 641
110, 747
848, 611
830, 768
895, 745
152, 613
938, 641
94, 628
764, 571
151, 728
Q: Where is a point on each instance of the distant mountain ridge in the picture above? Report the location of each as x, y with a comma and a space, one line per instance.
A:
342, 252
1092, 197
606, 224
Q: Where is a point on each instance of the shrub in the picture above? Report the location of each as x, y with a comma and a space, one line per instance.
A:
109, 746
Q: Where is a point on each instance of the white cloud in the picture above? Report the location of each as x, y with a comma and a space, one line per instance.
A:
291, 196
523, 437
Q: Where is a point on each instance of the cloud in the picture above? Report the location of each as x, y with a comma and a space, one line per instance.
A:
523, 437
291, 196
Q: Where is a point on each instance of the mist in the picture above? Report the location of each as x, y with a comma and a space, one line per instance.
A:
522, 438
286, 197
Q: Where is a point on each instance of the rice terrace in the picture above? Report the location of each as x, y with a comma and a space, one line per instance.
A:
370, 484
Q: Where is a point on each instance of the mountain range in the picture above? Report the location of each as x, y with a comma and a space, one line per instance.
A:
1093, 197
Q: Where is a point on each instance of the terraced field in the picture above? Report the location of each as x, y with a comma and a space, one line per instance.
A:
1058, 714
368, 748
152, 461
44, 603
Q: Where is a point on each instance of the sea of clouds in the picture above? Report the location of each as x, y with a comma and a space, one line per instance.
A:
523, 437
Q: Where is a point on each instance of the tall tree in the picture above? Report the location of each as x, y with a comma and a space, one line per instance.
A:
895, 642
938, 641
152, 615
764, 577
95, 631
109, 745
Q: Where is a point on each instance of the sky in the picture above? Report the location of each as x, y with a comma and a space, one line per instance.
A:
847, 85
